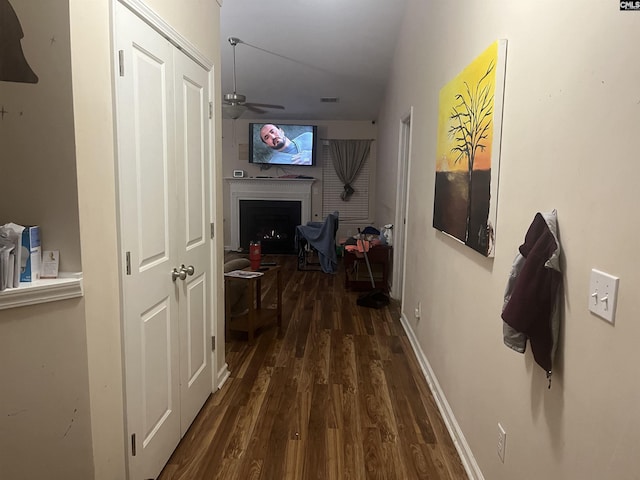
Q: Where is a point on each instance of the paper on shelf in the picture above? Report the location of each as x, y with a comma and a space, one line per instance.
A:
50, 259
243, 274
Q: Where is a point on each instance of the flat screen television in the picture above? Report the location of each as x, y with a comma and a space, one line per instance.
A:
282, 144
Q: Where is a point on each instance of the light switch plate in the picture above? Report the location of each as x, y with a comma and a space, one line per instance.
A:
603, 295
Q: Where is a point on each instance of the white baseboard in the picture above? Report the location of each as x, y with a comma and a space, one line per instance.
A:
223, 376
466, 455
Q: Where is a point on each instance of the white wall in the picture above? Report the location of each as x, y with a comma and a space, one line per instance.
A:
45, 425
235, 133
570, 143
38, 157
62, 410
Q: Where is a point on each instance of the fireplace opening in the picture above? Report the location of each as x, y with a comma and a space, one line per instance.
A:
272, 222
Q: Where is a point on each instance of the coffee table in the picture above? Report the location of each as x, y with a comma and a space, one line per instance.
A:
256, 316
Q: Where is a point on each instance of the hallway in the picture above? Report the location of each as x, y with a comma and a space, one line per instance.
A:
337, 394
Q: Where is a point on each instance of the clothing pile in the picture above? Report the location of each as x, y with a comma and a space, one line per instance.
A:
362, 242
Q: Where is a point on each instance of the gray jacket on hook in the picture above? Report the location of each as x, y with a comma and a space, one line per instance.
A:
531, 311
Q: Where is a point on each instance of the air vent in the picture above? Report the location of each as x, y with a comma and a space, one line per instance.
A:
329, 99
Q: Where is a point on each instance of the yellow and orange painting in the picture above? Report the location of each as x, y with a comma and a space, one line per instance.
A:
468, 151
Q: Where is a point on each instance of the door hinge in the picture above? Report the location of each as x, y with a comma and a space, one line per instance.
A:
121, 62
128, 263
213, 343
210, 110
213, 230
133, 444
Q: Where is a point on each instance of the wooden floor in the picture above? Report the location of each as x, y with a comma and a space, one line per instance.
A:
336, 394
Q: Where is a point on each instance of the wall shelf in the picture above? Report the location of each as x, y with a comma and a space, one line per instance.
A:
67, 285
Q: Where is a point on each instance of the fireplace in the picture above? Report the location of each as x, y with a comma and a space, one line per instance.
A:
272, 222
296, 190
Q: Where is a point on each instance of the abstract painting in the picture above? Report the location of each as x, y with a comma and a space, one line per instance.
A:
468, 151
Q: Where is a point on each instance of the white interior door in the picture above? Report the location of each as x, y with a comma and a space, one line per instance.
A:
163, 155
193, 234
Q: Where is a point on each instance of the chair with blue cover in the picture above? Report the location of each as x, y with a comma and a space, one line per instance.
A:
318, 239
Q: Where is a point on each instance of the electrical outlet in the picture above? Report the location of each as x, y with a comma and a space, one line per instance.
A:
418, 312
502, 442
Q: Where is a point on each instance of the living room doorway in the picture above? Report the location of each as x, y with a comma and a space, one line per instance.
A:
402, 195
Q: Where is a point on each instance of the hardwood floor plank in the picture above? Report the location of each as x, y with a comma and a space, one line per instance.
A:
304, 324
452, 460
398, 374
393, 463
438, 461
348, 375
294, 459
364, 389
212, 454
299, 426
353, 444
203, 431
335, 454
315, 460
336, 364
259, 449
319, 356
373, 458
424, 465
347, 323
335, 394
385, 419
275, 443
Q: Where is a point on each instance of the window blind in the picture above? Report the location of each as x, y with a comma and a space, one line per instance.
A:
357, 207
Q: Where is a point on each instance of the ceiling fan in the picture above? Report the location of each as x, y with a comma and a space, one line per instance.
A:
234, 104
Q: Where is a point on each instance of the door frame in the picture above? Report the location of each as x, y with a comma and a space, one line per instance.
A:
402, 205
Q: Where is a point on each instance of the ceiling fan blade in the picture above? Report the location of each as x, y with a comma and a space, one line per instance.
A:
234, 103
264, 105
253, 108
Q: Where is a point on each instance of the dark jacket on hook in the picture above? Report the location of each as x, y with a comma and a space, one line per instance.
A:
531, 298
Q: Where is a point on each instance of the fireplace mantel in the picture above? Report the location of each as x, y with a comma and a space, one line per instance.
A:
291, 189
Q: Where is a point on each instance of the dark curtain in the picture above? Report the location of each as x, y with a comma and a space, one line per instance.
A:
348, 157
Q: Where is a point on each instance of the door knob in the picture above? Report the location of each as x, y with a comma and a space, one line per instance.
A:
190, 270
178, 274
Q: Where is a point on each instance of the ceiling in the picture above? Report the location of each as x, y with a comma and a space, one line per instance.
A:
294, 52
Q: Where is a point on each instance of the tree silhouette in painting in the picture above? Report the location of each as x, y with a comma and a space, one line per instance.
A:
470, 128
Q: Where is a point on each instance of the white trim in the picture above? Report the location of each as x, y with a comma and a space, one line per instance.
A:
41, 291
223, 376
167, 31
460, 442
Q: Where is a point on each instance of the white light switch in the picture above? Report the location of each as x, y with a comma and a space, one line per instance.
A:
603, 294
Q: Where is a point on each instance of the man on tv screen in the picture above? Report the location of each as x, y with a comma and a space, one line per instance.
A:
293, 151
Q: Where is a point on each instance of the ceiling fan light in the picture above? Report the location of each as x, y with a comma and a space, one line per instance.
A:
234, 111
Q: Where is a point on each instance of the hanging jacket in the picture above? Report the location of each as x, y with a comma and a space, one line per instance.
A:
531, 310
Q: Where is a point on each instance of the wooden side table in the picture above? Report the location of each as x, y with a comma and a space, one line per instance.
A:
256, 316
356, 273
